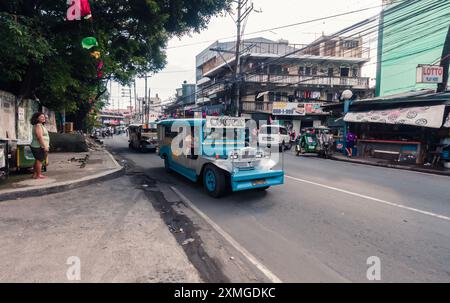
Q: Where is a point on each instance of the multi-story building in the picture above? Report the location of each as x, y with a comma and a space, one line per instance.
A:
286, 81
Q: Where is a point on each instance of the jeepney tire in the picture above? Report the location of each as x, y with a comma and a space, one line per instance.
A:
221, 182
263, 188
166, 163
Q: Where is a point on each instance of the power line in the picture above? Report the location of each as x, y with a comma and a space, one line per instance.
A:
279, 27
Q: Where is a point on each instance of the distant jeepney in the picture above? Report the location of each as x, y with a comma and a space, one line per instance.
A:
213, 150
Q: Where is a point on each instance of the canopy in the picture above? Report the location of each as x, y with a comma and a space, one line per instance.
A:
425, 116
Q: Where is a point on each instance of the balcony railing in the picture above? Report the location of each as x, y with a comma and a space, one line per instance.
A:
358, 82
289, 50
211, 89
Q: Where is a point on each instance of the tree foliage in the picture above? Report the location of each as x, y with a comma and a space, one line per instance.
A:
41, 54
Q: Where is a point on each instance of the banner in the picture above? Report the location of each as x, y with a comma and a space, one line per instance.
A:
427, 116
296, 109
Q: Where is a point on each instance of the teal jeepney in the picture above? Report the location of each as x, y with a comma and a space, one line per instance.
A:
213, 150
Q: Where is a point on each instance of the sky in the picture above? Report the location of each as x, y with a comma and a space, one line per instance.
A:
181, 52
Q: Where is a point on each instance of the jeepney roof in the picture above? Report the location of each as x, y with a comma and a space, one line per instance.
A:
171, 121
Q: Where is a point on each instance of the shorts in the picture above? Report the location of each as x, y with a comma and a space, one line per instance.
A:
39, 153
350, 144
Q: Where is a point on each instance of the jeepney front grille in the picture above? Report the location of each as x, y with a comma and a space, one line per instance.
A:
244, 166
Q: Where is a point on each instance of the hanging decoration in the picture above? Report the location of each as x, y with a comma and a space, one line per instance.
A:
89, 42
96, 54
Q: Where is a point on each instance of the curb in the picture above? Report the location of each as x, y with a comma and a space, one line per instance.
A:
58, 187
447, 174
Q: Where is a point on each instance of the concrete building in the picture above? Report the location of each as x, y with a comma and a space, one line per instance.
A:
286, 81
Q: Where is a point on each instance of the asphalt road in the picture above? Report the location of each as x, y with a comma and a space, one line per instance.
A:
329, 217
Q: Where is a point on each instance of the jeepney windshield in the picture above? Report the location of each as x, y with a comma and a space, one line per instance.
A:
226, 134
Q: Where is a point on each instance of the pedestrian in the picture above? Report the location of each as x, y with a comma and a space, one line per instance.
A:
350, 140
40, 144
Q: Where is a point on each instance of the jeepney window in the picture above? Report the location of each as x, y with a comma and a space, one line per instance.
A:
223, 134
168, 133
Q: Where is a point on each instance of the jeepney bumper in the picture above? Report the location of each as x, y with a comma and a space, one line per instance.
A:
244, 180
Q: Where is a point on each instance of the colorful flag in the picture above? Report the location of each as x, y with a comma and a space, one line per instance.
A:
85, 9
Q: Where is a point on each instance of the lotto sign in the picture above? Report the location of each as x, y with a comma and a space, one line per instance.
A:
430, 74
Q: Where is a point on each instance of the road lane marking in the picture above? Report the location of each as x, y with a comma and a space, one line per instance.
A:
371, 198
270, 275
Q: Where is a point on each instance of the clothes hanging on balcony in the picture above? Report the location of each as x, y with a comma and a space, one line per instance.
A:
315, 95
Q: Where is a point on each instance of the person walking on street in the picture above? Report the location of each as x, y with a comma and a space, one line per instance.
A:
350, 140
40, 144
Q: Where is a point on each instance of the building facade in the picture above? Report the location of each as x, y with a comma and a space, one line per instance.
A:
411, 33
286, 81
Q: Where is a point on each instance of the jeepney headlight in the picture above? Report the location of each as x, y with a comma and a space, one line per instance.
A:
234, 156
259, 155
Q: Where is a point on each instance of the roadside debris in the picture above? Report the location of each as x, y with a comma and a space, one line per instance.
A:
187, 241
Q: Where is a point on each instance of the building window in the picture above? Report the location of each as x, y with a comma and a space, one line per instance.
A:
314, 70
301, 70
330, 97
355, 72
349, 44
271, 96
345, 71
308, 71
330, 72
275, 70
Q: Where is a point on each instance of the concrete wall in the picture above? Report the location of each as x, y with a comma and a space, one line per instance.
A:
7, 116
24, 128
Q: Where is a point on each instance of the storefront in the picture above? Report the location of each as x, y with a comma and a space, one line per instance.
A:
405, 129
297, 116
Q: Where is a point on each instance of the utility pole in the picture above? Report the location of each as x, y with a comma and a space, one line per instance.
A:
135, 99
237, 70
445, 61
145, 101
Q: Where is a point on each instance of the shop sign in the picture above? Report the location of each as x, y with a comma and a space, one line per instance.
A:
225, 122
296, 109
430, 74
21, 114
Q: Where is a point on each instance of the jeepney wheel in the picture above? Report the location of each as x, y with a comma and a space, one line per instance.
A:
214, 181
166, 164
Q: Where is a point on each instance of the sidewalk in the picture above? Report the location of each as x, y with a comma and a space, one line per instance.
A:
385, 163
65, 171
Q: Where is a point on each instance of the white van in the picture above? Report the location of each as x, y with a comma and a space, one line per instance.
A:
270, 135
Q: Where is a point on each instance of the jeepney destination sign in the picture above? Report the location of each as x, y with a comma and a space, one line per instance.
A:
225, 122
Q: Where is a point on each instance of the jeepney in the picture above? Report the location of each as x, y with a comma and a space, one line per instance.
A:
214, 151
143, 137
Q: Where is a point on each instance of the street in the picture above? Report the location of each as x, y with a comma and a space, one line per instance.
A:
329, 218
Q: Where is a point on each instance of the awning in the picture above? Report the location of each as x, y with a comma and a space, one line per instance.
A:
425, 116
